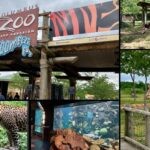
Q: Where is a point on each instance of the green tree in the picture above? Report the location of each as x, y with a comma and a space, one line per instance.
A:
130, 7
143, 66
129, 66
100, 87
19, 82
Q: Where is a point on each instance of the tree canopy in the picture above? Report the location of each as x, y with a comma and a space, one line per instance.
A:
100, 87
130, 6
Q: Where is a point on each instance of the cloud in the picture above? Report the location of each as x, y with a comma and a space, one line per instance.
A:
112, 77
44, 5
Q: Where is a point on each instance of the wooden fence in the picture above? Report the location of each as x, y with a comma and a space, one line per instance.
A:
137, 127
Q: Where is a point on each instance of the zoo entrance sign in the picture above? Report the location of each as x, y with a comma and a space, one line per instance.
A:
19, 29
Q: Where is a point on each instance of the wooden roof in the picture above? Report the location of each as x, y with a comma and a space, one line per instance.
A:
144, 4
94, 54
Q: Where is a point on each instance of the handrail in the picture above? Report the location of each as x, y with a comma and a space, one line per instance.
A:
129, 125
146, 113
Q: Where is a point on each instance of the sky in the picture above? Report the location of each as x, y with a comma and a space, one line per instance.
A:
112, 77
50, 5
126, 77
44, 5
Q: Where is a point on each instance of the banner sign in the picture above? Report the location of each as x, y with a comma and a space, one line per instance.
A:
102, 17
8, 46
23, 22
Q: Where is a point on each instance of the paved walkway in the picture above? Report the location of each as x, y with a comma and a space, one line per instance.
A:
127, 146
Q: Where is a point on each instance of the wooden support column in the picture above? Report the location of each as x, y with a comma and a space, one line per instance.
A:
45, 70
49, 113
72, 89
45, 77
145, 15
32, 82
147, 138
128, 124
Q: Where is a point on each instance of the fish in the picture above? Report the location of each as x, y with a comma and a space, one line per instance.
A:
107, 122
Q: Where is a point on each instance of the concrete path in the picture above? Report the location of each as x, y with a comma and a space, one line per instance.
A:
127, 146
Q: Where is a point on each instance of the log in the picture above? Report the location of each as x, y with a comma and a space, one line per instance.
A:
61, 60
6, 62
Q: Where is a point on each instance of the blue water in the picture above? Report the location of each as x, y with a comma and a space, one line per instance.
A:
97, 119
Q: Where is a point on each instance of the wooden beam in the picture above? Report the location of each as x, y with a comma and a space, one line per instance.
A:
30, 61
6, 62
43, 28
77, 78
47, 51
99, 39
86, 47
37, 74
61, 60
44, 14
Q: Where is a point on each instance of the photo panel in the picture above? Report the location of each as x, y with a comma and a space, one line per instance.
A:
74, 125
134, 24
14, 125
134, 99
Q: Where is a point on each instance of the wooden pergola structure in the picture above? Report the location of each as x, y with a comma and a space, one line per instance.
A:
100, 53
145, 9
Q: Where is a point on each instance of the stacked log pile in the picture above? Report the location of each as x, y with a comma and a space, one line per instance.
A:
67, 139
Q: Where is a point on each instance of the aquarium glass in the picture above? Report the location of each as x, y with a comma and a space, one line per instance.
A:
96, 120
38, 120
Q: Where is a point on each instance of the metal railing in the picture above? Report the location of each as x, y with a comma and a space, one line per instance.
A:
137, 127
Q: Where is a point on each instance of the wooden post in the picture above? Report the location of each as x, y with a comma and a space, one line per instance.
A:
32, 82
45, 83
48, 123
128, 124
145, 15
72, 90
147, 138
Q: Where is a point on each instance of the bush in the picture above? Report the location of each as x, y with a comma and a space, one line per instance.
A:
4, 139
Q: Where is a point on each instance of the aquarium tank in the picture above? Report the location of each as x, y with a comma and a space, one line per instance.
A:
95, 119
39, 120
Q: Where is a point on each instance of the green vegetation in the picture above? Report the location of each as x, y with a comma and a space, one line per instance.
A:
136, 63
14, 103
19, 82
4, 140
22, 135
130, 7
99, 86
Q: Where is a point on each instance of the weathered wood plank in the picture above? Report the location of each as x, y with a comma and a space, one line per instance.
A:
146, 113
78, 41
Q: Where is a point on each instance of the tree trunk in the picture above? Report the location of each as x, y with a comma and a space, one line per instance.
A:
133, 89
145, 103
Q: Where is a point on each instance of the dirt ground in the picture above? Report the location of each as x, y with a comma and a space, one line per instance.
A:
133, 38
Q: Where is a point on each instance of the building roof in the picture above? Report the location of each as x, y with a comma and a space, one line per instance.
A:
144, 4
